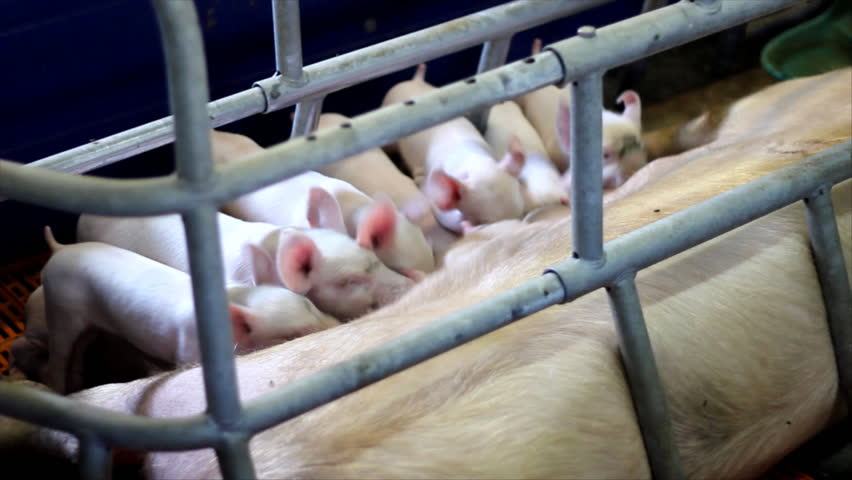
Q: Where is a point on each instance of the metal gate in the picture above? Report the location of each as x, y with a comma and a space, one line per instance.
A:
198, 188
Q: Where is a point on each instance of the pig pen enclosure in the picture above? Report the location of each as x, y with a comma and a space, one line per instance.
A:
198, 188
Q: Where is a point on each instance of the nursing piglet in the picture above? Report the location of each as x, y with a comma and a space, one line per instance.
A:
456, 169
340, 277
95, 285
373, 173
509, 130
623, 153
315, 200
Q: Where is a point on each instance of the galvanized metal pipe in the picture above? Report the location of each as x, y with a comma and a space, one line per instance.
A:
494, 53
187, 76
330, 75
655, 31
149, 136
234, 457
307, 116
215, 333
288, 41
585, 167
188, 95
646, 389
630, 252
833, 279
95, 459
146, 197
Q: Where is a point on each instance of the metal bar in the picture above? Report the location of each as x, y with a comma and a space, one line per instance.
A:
149, 136
330, 75
631, 252
494, 53
655, 31
188, 94
646, 388
288, 41
234, 457
586, 170
304, 394
833, 279
385, 125
306, 117
128, 431
215, 333
95, 459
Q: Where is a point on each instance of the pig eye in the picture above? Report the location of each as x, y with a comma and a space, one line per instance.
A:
607, 156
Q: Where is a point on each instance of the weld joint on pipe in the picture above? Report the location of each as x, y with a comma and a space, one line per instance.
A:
561, 284
622, 278
709, 6
269, 95
563, 81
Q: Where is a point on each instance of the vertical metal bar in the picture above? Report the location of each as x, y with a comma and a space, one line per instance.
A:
494, 53
234, 457
586, 170
95, 459
646, 389
188, 91
214, 324
288, 41
307, 116
834, 281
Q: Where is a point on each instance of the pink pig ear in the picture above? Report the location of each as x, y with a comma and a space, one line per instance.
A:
563, 126
242, 321
513, 161
376, 230
632, 107
262, 265
443, 190
324, 211
298, 257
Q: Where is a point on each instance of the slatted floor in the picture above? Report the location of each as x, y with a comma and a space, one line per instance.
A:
17, 281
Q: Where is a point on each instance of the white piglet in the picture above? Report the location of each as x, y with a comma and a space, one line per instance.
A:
314, 200
373, 173
95, 285
549, 112
340, 277
456, 169
509, 130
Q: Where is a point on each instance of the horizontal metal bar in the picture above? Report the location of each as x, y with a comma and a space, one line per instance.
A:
631, 252
149, 136
119, 430
685, 229
329, 75
288, 41
585, 168
95, 459
306, 393
494, 53
833, 279
379, 127
655, 31
646, 389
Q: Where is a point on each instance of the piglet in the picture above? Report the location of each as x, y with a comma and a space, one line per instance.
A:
623, 154
373, 173
456, 168
508, 130
95, 285
331, 269
312, 199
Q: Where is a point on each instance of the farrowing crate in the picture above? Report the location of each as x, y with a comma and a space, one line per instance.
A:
195, 193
